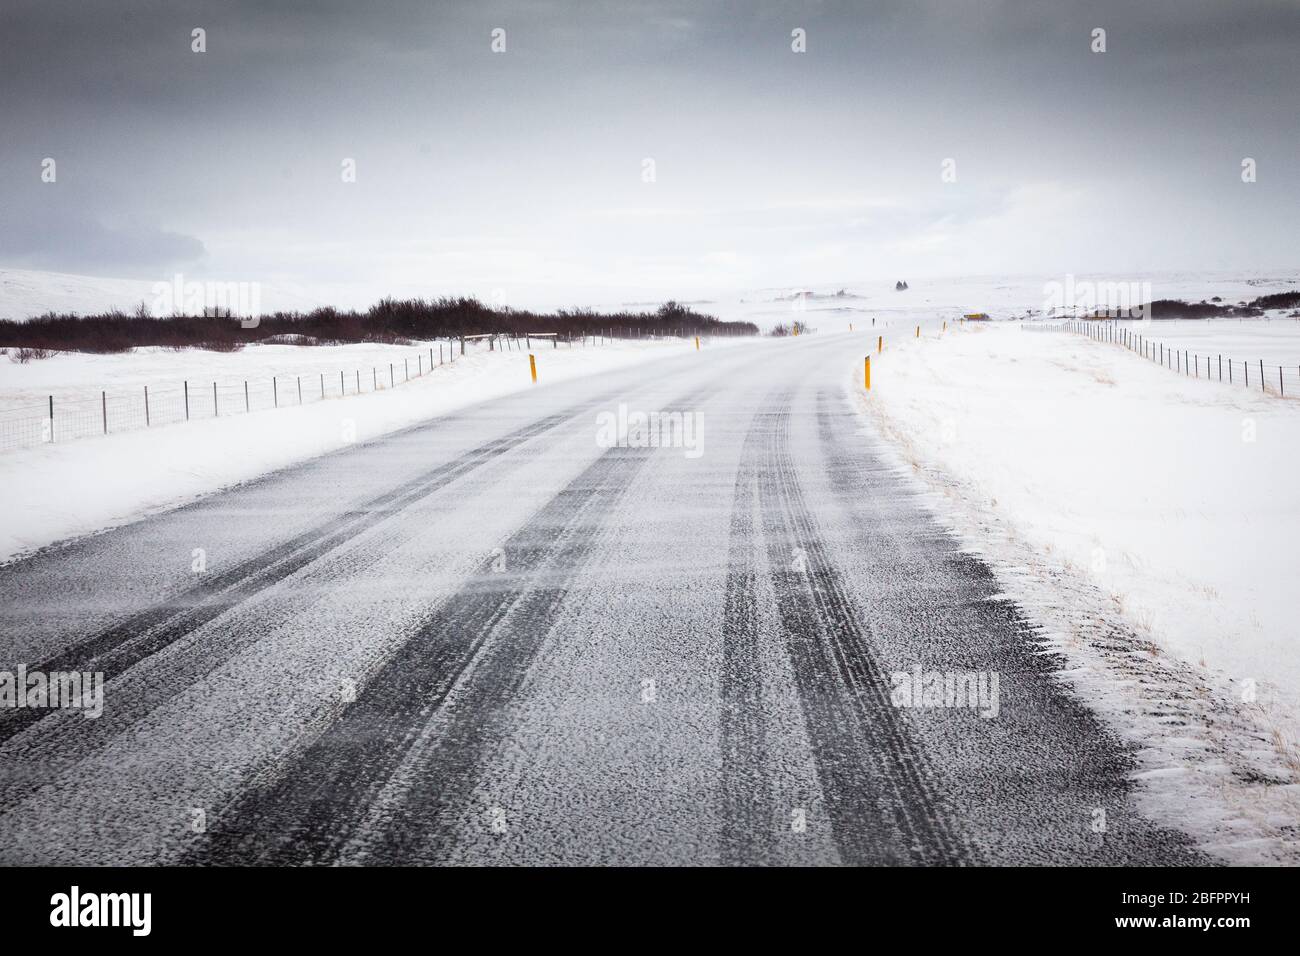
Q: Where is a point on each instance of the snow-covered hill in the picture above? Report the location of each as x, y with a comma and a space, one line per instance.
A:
25, 293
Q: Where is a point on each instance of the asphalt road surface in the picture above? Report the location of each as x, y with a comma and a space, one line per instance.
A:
509, 637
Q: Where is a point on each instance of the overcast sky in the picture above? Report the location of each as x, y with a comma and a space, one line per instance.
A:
524, 170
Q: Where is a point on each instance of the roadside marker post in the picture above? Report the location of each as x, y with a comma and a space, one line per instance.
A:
532, 366
918, 331
880, 344
866, 372
697, 343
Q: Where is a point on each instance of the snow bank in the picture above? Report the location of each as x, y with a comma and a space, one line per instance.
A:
1176, 500
1178, 496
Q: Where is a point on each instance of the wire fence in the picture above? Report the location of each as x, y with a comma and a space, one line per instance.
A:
1271, 379
62, 419
151, 406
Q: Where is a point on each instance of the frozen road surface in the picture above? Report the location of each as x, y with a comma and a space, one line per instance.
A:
515, 635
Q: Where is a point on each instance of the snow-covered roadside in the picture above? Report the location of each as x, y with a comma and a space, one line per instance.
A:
54, 492
1147, 523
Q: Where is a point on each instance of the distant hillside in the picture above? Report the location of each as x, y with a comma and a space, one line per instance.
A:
25, 293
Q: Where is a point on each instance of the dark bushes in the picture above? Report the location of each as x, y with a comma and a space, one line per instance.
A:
1177, 309
1279, 300
389, 320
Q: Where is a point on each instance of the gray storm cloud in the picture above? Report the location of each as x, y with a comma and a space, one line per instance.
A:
526, 168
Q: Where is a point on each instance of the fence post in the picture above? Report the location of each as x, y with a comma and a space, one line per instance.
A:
374, 379
187, 399
51, 418
247, 407
1261, 375
103, 401
299, 389
216, 413
146, 406
392, 382
275, 393
341, 389
406, 368
322, 385
439, 354
358, 381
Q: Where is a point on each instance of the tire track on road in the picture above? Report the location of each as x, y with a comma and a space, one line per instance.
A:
1067, 763
123, 645
488, 634
747, 804
879, 796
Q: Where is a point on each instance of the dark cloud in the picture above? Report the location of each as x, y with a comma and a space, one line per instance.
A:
54, 227
456, 147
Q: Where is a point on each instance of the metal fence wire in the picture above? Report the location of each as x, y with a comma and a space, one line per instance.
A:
1271, 379
152, 406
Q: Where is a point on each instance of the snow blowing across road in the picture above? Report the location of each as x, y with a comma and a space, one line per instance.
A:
56, 491
1173, 501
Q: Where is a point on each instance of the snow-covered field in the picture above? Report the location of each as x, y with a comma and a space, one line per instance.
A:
85, 389
1274, 340
934, 300
56, 491
1175, 500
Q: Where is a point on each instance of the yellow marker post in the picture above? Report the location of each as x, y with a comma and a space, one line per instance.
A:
697, 343
866, 372
918, 331
880, 344
532, 366
945, 325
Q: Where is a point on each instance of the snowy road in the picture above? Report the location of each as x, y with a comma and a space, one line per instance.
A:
489, 639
